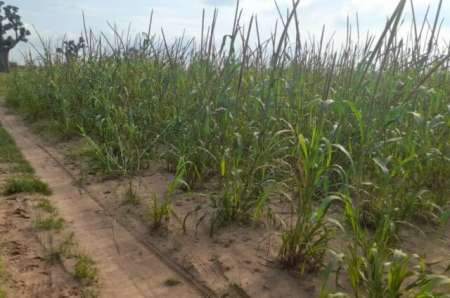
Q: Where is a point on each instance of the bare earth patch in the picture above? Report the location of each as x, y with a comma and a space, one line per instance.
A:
27, 273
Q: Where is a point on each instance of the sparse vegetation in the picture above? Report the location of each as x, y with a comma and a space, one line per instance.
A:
161, 209
302, 121
61, 247
49, 223
375, 269
46, 205
3, 78
11, 155
58, 249
2, 279
131, 197
159, 212
85, 270
25, 185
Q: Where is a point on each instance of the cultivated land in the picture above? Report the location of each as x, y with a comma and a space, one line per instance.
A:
285, 168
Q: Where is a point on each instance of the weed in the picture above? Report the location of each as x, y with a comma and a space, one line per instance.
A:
305, 243
159, 212
375, 269
56, 252
131, 197
85, 270
2, 279
3, 85
9, 153
46, 205
25, 185
50, 223
90, 292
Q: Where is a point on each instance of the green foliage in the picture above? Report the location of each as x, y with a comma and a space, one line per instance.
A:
305, 243
309, 167
25, 185
370, 120
375, 269
85, 270
46, 205
9, 153
3, 78
159, 212
49, 223
2, 279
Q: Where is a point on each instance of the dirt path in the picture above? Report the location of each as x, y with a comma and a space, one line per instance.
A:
29, 274
128, 268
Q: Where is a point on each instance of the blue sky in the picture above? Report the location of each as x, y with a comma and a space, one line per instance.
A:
55, 18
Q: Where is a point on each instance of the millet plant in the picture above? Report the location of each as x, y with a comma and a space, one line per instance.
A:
310, 118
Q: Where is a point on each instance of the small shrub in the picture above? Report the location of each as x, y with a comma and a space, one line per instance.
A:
85, 270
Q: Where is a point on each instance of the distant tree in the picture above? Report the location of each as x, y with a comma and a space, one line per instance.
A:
71, 49
12, 32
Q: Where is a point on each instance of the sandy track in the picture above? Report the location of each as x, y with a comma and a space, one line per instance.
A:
128, 268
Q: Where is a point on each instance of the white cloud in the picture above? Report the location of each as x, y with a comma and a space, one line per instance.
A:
54, 18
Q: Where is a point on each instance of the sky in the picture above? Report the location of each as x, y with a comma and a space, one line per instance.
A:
54, 19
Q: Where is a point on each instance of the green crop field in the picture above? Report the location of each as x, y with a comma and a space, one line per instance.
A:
362, 128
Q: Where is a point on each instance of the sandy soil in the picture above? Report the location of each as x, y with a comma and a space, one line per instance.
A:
237, 259
26, 271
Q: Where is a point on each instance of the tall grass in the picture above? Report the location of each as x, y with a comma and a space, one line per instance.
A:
3, 84
369, 118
